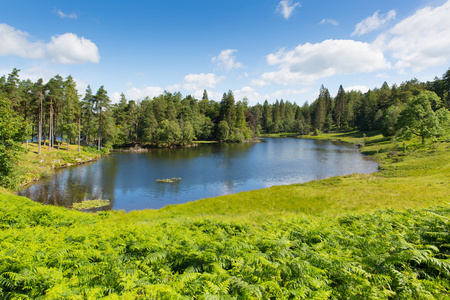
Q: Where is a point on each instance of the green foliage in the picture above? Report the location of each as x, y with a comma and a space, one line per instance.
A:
54, 253
88, 204
223, 131
418, 118
171, 180
388, 125
12, 132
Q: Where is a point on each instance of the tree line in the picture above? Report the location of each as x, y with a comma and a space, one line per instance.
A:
55, 111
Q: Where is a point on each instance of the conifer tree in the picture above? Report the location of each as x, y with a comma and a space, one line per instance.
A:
340, 106
266, 116
87, 107
70, 108
101, 101
321, 110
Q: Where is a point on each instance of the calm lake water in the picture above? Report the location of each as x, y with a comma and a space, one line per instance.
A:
129, 179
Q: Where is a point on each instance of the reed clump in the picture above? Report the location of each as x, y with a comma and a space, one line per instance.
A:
170, 180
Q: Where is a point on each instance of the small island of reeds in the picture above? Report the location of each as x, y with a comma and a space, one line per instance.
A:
170, 180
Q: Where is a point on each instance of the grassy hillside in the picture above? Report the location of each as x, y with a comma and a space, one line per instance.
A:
378, 236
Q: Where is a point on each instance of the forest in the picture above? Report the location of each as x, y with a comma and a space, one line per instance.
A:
169, 119
54, 112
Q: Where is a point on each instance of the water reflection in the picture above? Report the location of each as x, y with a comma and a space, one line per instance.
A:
129, 179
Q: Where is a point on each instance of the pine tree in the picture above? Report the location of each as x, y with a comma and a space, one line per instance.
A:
227, 108
266, 116
204, 103
240, 115
55, 94
70, 108
321, 109
101, 101
11, 88
340, 106
87, 107
39, 90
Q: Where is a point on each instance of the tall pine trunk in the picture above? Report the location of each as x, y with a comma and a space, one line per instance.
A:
40, 122
50, 127
79, 131
100, 129
87, 128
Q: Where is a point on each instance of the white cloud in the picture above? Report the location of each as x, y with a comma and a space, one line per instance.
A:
286, 93
309, 62
382, 75
33, 73
134, 93
286, 8
172, 88
421, 40
66, 16
329, 21
226, 59
247, 92
373, 23
67, 48
19, 43
115, 97
361, 88
194, 82
211, 95
81, 86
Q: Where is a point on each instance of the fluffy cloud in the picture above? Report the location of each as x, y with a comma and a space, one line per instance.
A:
66, 16
217, 96
19, 43
247, 92
134, 93
67, 48
309, 62
195, 82
329, 21
286, 8
286, 93
70, 49
421, 40
227, 60
373, 23
361, 88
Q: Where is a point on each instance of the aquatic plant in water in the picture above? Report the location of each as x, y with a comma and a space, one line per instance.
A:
91, 204
171, 180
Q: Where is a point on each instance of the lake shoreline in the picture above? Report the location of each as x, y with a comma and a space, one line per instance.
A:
145, 147
37, 166
227, 168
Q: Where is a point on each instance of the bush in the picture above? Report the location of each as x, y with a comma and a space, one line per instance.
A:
317, 132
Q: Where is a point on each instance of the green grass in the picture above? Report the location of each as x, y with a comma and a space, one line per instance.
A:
89, 204
34, 166
384, 235
280, 134
205, 142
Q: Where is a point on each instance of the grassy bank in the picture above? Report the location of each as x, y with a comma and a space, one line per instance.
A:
370, 236
34, 166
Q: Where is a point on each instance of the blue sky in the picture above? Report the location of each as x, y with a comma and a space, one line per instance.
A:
259, 49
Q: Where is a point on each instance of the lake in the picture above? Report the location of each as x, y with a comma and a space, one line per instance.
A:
209, 170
